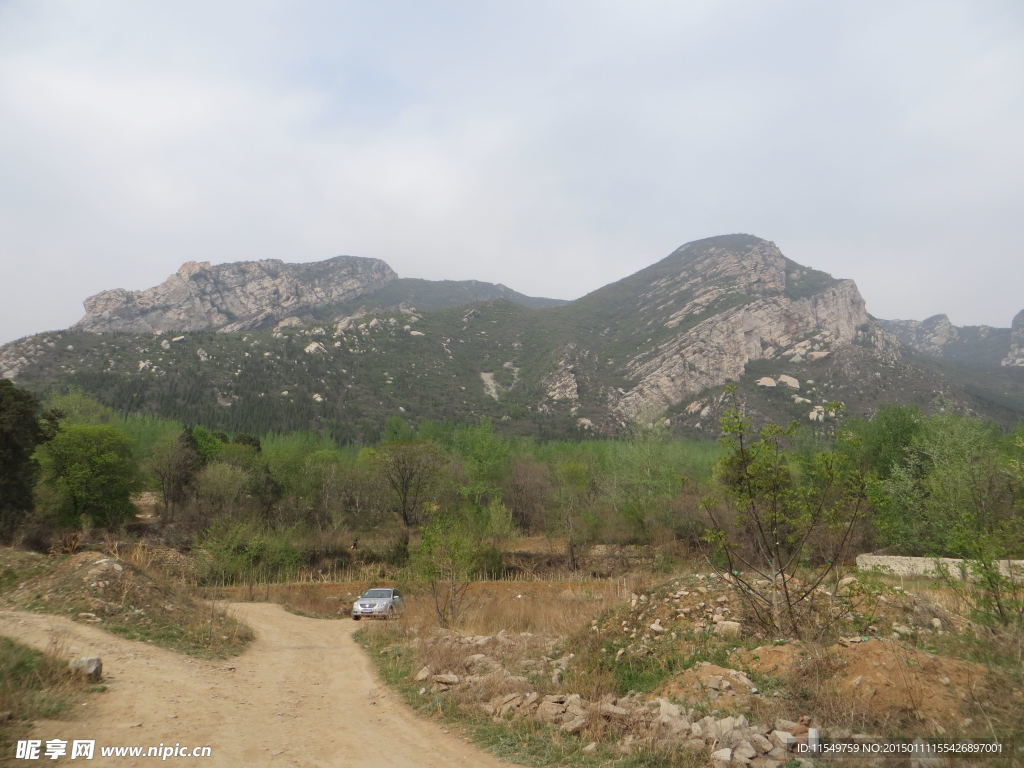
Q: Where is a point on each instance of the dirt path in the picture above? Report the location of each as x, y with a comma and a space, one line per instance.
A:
303, 694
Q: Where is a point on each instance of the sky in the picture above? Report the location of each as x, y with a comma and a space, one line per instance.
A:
551, 146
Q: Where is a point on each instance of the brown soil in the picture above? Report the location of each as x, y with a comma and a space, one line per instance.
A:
882, 676
303, 694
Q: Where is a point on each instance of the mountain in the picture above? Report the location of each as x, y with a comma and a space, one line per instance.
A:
253, 295
937, 337
342, 344
1015, 357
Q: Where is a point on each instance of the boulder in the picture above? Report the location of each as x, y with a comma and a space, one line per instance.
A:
728, 628
575, 725
88, 667
744, 751
423, 674
612, 711
782, 739
760, 743
721, 758
550, 711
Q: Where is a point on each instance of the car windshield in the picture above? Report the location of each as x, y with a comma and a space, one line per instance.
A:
377, 593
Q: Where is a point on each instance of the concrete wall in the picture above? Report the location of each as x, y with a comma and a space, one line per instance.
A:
926, 566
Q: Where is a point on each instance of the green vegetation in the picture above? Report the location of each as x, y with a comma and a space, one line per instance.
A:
88, 474
33, 685
789, 513
21, 430
253, 509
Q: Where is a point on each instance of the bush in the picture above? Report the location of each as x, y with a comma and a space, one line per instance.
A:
231, 553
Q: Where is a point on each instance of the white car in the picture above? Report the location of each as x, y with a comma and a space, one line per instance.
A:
378, 603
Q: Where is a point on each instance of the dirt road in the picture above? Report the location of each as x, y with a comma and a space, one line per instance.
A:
303, 694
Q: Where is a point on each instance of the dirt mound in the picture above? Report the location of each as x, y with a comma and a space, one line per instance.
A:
95, 588
713, 687
883, 676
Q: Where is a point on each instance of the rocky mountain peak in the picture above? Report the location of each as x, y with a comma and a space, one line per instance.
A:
189, 268
231, 297
929, 336
1015, 358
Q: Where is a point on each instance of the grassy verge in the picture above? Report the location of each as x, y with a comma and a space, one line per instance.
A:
524, 741
121, 598
33, 685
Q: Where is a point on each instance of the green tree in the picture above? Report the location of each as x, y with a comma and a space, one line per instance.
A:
951, 492
221, 486
780, 510
485, 457
92, 471
78, 407
886, 439
20, 433
175, 463
445, 559
575, 490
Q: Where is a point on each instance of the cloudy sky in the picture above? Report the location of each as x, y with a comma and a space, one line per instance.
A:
551, 146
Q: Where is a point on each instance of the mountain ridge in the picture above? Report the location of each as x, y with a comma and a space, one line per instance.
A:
253, 295
342, 354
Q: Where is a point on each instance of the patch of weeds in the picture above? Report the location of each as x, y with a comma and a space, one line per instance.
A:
766, 685
308, 614
33, 685
130, 602
646, 673
8, 578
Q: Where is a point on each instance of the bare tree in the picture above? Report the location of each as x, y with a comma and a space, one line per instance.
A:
412, 471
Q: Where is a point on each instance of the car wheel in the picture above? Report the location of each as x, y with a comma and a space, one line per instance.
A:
356, 618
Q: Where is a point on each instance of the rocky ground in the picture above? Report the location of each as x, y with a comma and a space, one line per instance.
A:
707, 682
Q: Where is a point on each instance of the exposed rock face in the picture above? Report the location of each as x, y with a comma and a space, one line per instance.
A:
928, 336
768, 309
232, 297
972, 344
1016, 356
561, 384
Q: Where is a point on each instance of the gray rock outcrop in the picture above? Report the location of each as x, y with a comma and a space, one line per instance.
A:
1016, 355
740, 303
929, 336
246, 295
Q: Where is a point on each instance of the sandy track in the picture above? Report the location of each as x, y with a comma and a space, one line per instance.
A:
302, 694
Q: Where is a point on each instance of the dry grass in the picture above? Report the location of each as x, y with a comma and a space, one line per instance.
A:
33, 684
541, 606
129, 601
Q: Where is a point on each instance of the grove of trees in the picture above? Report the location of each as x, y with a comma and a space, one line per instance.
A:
766, 502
